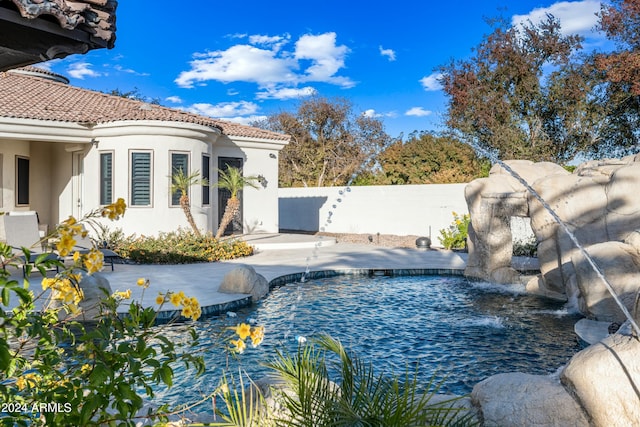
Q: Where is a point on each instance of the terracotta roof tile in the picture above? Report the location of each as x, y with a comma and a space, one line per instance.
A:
28, 96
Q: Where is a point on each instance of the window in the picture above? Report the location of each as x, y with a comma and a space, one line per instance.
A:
22, 180
141, 162
206, 177
106, 178
179, 162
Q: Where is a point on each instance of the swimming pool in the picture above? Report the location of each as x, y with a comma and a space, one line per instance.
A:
459, 330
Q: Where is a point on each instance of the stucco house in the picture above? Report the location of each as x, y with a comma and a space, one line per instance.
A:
66, 150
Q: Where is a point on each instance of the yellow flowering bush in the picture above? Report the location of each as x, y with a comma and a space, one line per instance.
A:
91, 375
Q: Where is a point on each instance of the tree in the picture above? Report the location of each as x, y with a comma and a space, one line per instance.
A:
428, 159
233, 181
329, 145
180, 183
135, 95
617, 79
506, 101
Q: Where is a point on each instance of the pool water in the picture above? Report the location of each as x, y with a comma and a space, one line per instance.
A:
458, 330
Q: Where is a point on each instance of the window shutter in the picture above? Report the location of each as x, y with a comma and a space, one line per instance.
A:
179, 161
140, 179
106, 178
206, 175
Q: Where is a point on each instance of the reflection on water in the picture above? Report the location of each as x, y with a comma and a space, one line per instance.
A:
458, 330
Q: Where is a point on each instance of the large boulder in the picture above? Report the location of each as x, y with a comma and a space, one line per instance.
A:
245, 280
518, 399
620, 264
605, 379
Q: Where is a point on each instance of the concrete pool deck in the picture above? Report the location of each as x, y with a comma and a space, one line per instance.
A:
276, 255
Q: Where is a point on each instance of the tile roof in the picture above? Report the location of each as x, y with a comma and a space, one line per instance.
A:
96, 17
28, 96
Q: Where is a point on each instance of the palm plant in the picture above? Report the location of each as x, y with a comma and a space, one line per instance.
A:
180, 183
233, 181
359, 397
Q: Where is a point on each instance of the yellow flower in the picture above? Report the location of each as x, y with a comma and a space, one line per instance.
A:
257, 335
27, 380
243, 330
122, 294
143, 282
94, 261
86, 368
65, 244
187, 312
76, 256
238, 345
160, 299
175, 299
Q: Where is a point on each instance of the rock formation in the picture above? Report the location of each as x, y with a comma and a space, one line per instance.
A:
598, 203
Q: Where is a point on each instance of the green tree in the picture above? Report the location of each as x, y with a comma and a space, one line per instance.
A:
180, 183
233, 181
505, 100
428, 159
329, 145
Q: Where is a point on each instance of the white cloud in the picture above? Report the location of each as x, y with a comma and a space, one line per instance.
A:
174, 99
326, 58
225, 110
238, 63
431, 83
417, 112
389, 53
370, 113
120, 68
286, 93
576, 17
80, 70
264, 61
246, 120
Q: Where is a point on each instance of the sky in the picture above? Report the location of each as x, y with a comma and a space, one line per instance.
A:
245, 60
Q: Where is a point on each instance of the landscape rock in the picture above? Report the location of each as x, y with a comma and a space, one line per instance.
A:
245, 280
605, 379
620, 264
518, 400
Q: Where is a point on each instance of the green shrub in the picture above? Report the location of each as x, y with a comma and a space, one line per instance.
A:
182, 247
526, 247
455, 236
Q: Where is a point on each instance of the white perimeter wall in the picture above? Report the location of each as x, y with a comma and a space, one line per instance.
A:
384, 209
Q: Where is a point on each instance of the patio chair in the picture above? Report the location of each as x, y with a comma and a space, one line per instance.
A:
21, 230
84, 245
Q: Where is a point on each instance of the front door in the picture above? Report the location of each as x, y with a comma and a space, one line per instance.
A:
235, 227
77, 184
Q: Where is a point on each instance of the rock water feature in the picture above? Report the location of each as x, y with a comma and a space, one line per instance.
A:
597, 207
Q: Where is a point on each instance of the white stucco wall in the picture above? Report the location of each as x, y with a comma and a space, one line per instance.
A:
260, 206
397, 209
56, 191
161, 139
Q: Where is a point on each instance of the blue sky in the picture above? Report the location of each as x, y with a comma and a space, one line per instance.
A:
244, 60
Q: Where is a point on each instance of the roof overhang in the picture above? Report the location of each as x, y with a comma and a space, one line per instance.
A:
32, 32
